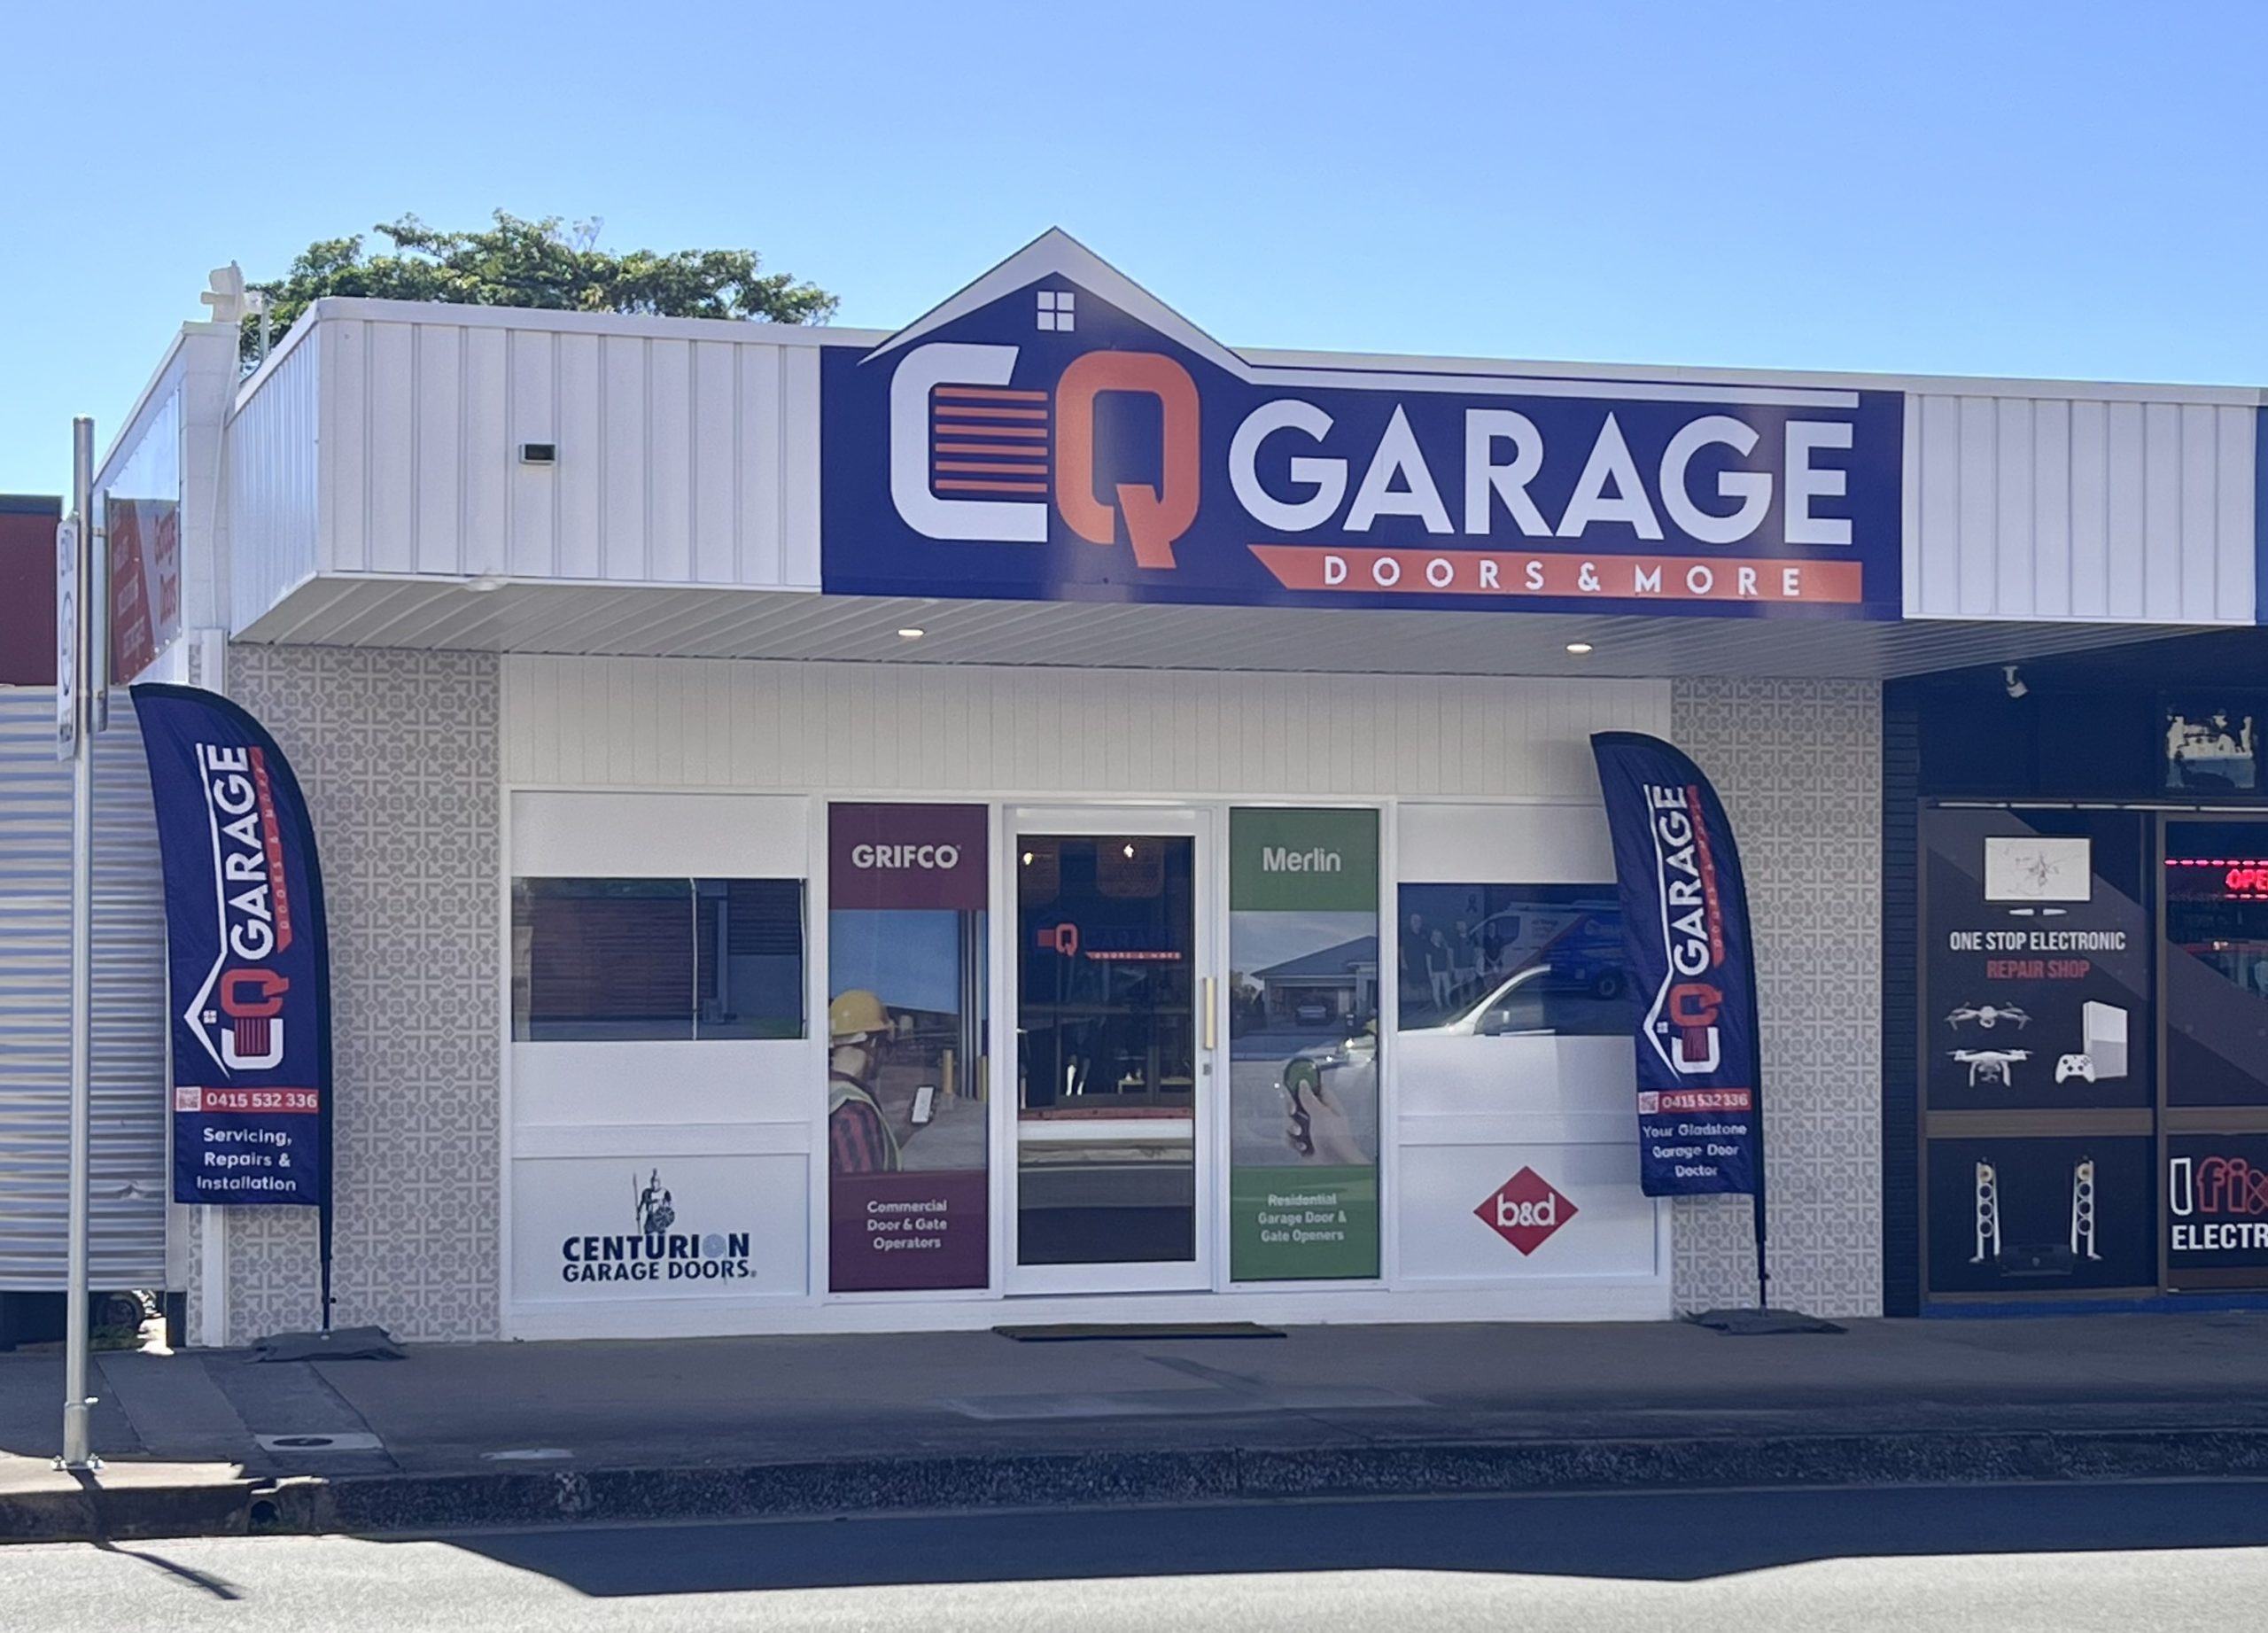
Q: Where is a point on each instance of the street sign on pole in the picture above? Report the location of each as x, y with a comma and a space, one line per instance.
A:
66, 637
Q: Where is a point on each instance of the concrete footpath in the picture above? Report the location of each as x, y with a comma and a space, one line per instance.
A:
214, 1442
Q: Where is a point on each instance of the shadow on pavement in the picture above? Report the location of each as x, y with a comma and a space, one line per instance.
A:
1686, 1537
219, 1587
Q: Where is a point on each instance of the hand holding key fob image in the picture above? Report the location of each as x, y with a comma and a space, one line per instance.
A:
1319, 1128
1301, 1131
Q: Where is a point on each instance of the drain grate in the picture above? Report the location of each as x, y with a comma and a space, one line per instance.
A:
344, 1440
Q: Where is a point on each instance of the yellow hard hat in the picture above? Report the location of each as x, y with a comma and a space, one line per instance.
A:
855, 1013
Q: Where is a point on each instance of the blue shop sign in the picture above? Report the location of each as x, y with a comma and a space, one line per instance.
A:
1054, 432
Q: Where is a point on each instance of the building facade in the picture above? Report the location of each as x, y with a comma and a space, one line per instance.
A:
1042, 816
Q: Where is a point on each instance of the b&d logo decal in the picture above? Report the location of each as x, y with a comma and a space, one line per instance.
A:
1054, 431
1525, 1210
655, 1251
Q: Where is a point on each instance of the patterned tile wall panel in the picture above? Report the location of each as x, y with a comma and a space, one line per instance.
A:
398, 753
1800, 765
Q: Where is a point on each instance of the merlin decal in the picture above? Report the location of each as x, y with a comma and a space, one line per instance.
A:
1053, 432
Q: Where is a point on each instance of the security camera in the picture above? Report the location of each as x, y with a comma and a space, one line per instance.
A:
2012, 680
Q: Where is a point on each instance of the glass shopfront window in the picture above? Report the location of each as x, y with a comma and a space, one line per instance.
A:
2216, 987
2039, 1061
2217, 963
645, 960
1497, 959
142, 526
1106, 1023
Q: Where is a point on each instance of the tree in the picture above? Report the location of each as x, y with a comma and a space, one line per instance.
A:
549, 263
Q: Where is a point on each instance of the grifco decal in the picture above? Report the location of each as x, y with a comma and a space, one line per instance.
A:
931, 857
1056, 432
655, 1251
1685, 924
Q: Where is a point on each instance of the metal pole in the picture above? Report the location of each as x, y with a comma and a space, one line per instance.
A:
76, 1454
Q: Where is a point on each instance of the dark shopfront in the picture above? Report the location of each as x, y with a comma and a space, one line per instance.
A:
2076, 980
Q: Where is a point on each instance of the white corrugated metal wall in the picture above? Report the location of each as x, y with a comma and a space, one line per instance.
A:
2116, 506
688, 451
273, 477
127, 1177
689, 455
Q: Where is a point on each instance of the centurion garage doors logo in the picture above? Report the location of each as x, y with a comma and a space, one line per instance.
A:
654, 1250
1053, 432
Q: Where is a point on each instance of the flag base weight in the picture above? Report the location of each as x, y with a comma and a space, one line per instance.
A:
346, 1343
1747, 1322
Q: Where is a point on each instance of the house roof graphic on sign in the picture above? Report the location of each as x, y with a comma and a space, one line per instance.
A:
1056, 253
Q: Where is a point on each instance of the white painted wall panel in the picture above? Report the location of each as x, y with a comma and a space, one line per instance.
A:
757, 430
530, 539
799, 466
1499, 844
388, 418
345, 352
715, 474
2100, 506
573, 551
486, 482
2236, 524
662, 723
275, 518
659, 836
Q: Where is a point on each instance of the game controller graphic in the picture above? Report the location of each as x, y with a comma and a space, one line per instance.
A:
2080, 1066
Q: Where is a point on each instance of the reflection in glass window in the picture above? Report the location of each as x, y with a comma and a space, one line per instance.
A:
1501, 960
2217, 963
656, 959
749, 958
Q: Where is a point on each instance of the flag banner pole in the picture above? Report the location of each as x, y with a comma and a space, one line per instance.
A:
1692, 955
247, 961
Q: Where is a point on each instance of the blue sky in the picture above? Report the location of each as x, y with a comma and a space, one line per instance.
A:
2065, 189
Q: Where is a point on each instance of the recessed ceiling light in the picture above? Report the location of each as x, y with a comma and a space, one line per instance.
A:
910, 633
1579, 648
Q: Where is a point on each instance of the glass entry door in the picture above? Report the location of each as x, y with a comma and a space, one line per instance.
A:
1113, 1052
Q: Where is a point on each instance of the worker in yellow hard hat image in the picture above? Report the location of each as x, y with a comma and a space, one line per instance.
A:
860, 1137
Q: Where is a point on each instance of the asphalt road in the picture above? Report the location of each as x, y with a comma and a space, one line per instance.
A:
2073, 1560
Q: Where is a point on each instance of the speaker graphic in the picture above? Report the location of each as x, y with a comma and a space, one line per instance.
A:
2082, 1210
1988, 1215
2033, 1259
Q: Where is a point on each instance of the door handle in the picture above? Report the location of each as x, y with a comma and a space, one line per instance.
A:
1210, 1025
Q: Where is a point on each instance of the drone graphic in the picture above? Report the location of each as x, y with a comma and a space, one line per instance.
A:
1989, 1016
1990, 1066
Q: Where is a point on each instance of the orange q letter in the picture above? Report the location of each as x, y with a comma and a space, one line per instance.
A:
1154, 518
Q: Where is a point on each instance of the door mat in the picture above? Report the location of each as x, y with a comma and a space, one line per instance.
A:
1075, 1331
1750, 1323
